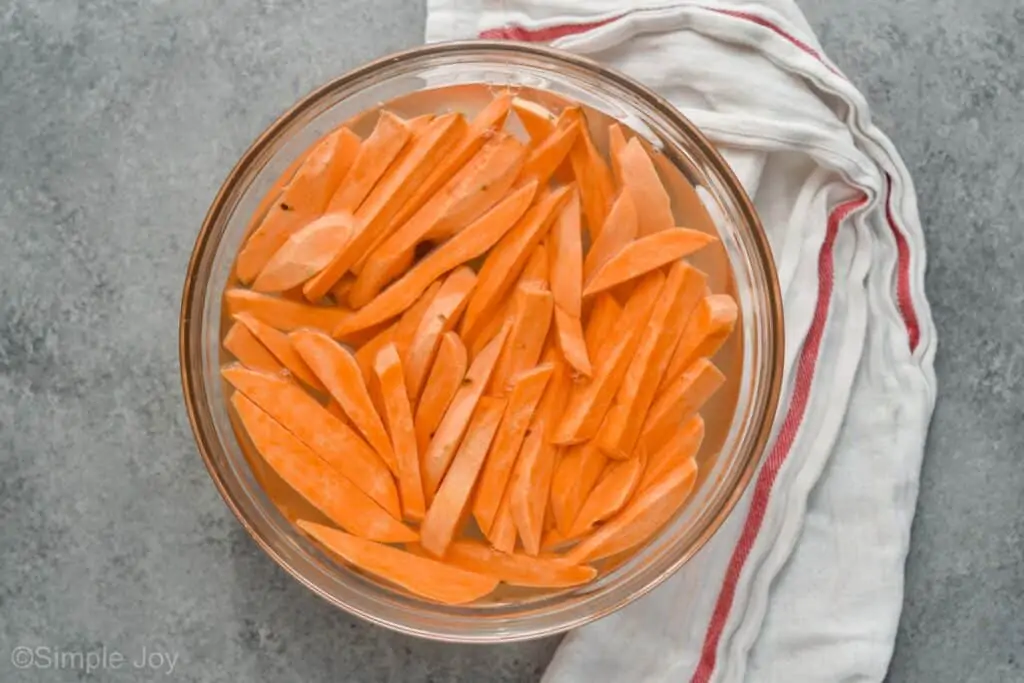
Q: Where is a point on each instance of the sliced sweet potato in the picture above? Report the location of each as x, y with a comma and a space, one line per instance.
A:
339, 372
305, 253
339, 292
551, 406
517, 569
575, 477
571, 342
374, 216
456, 419
621, 429
591, 400
375, 155
530, 487
305, 197
326, 488
684, 444
248, 350
706, 330
653, 206
646, 513
616, 145
444, 381
546, 157
283, 314
278, 344
367, 353
527, 389
538, 121
683, 396
604, 315
440, 317
467, 245
646, 254
531, 318
398, 412
420, 576
506, 261
448, 509
477, 187
503, 532
310, 422
619, 230
273, 195
616, 486
535, 272
592, 175
566, 258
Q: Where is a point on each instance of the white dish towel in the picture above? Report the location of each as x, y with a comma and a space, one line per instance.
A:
804, 582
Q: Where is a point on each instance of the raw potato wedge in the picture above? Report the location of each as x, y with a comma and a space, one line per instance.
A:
339, 372
618, 483
444, 381
653, 206
708, 328
306, 252
248, 350
316, 480
527, 389
682, 397
530, 320
305, 198
646, 254
506, 261
447, 509
282, 314
440, 317
279, 345
466, 246
456, 419
646, 513
325, 435
420, 576
517, 569
398, 412
620, 229
684, 444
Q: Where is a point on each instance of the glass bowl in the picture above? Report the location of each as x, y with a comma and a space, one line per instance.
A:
739, 418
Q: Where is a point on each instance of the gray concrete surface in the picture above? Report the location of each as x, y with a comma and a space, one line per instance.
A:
118, 120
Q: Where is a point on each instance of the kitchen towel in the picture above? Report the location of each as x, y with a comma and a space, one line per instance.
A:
804, 582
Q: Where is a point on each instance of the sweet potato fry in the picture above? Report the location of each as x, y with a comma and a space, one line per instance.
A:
375, 155
326, 488
503, 532
339, 292
398, 412
248, 350
592, 175
604, 315
535, 272
339, 372
444, 381
546, 157
311, 424
575, 477
645, 514
277, 343
283, 314
456, 419
619, 230
683, 396
273, 195
527, 390
706, 330
517, 569
591, 400
506, 261
538, 121
644, 255
477, 187
621, 429
531, 318
682, 445
304, 198
420, 576
569, 332
530, 487
448, 509
616, 144
440, 317
653, 206
613, 491
467, 245
367, 353
374, 216
305, 253
566, 258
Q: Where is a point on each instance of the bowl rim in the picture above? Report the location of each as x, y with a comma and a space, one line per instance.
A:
189, 318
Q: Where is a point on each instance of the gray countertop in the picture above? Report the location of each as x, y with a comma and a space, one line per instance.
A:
118, 121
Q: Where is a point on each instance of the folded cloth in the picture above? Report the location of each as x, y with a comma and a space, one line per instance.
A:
804, 581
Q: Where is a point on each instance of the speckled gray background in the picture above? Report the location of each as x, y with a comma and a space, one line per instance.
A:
118, 120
